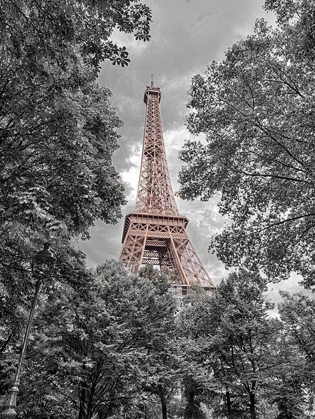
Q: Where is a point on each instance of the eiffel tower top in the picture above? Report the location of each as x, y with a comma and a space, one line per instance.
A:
155, 194
154, 91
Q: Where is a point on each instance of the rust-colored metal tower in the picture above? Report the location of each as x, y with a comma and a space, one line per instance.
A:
154, 232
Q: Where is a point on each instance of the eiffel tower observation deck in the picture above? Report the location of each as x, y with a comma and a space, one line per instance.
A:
155, 233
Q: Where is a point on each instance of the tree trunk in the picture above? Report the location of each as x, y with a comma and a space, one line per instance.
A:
193, 409
82, 402
82, 393
228, 404
189, 411
164, 407
90, 406
252, 403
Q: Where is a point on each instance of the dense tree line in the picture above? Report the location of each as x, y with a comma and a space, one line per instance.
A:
58, 132
57, 136
107, 344
118, 346
255, 109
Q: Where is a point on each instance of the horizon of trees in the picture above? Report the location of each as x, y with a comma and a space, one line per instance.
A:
118, 346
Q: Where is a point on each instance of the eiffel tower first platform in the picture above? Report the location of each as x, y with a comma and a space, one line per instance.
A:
155, 233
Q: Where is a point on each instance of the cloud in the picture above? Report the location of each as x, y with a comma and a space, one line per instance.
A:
186, 36
130, 175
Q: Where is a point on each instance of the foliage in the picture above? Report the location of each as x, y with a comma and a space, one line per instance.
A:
17, 293
297, 314
165, 361
288, 391
195, 382
58, 132
234, 352
96, 351
112, 346
297, 311
193, 393
57, 126
58, 129
161, 279
300, 14
256, 109
54, 27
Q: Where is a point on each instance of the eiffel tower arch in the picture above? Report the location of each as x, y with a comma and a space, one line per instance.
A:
155, 233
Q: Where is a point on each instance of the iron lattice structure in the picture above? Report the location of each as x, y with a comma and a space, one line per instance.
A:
154, 232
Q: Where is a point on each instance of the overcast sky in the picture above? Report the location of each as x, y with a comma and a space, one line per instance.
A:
186, 36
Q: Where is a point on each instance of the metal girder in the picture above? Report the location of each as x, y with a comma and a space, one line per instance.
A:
155, 232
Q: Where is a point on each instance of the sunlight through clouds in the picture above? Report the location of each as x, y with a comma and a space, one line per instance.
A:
131, 176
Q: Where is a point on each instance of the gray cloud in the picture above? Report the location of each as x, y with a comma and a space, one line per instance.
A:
186, 37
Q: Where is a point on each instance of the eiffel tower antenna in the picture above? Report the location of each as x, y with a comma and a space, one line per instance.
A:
155, 233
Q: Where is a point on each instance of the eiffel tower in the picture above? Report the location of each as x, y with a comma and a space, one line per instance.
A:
154, 233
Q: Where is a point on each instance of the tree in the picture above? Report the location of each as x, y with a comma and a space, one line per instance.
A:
297, 313
287, 391
57, 126
191, 331
17, 292
58, 132
236, 343
163, 371
256, 109
194, 394
95, 354
58, 129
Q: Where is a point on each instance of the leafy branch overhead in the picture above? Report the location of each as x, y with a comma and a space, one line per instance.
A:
256, 108
57, 126
55, 26
58, 133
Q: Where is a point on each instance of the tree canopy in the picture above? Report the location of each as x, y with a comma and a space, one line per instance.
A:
256, 109
106, 344
233, 345
58, 133
96, 352
58, 130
